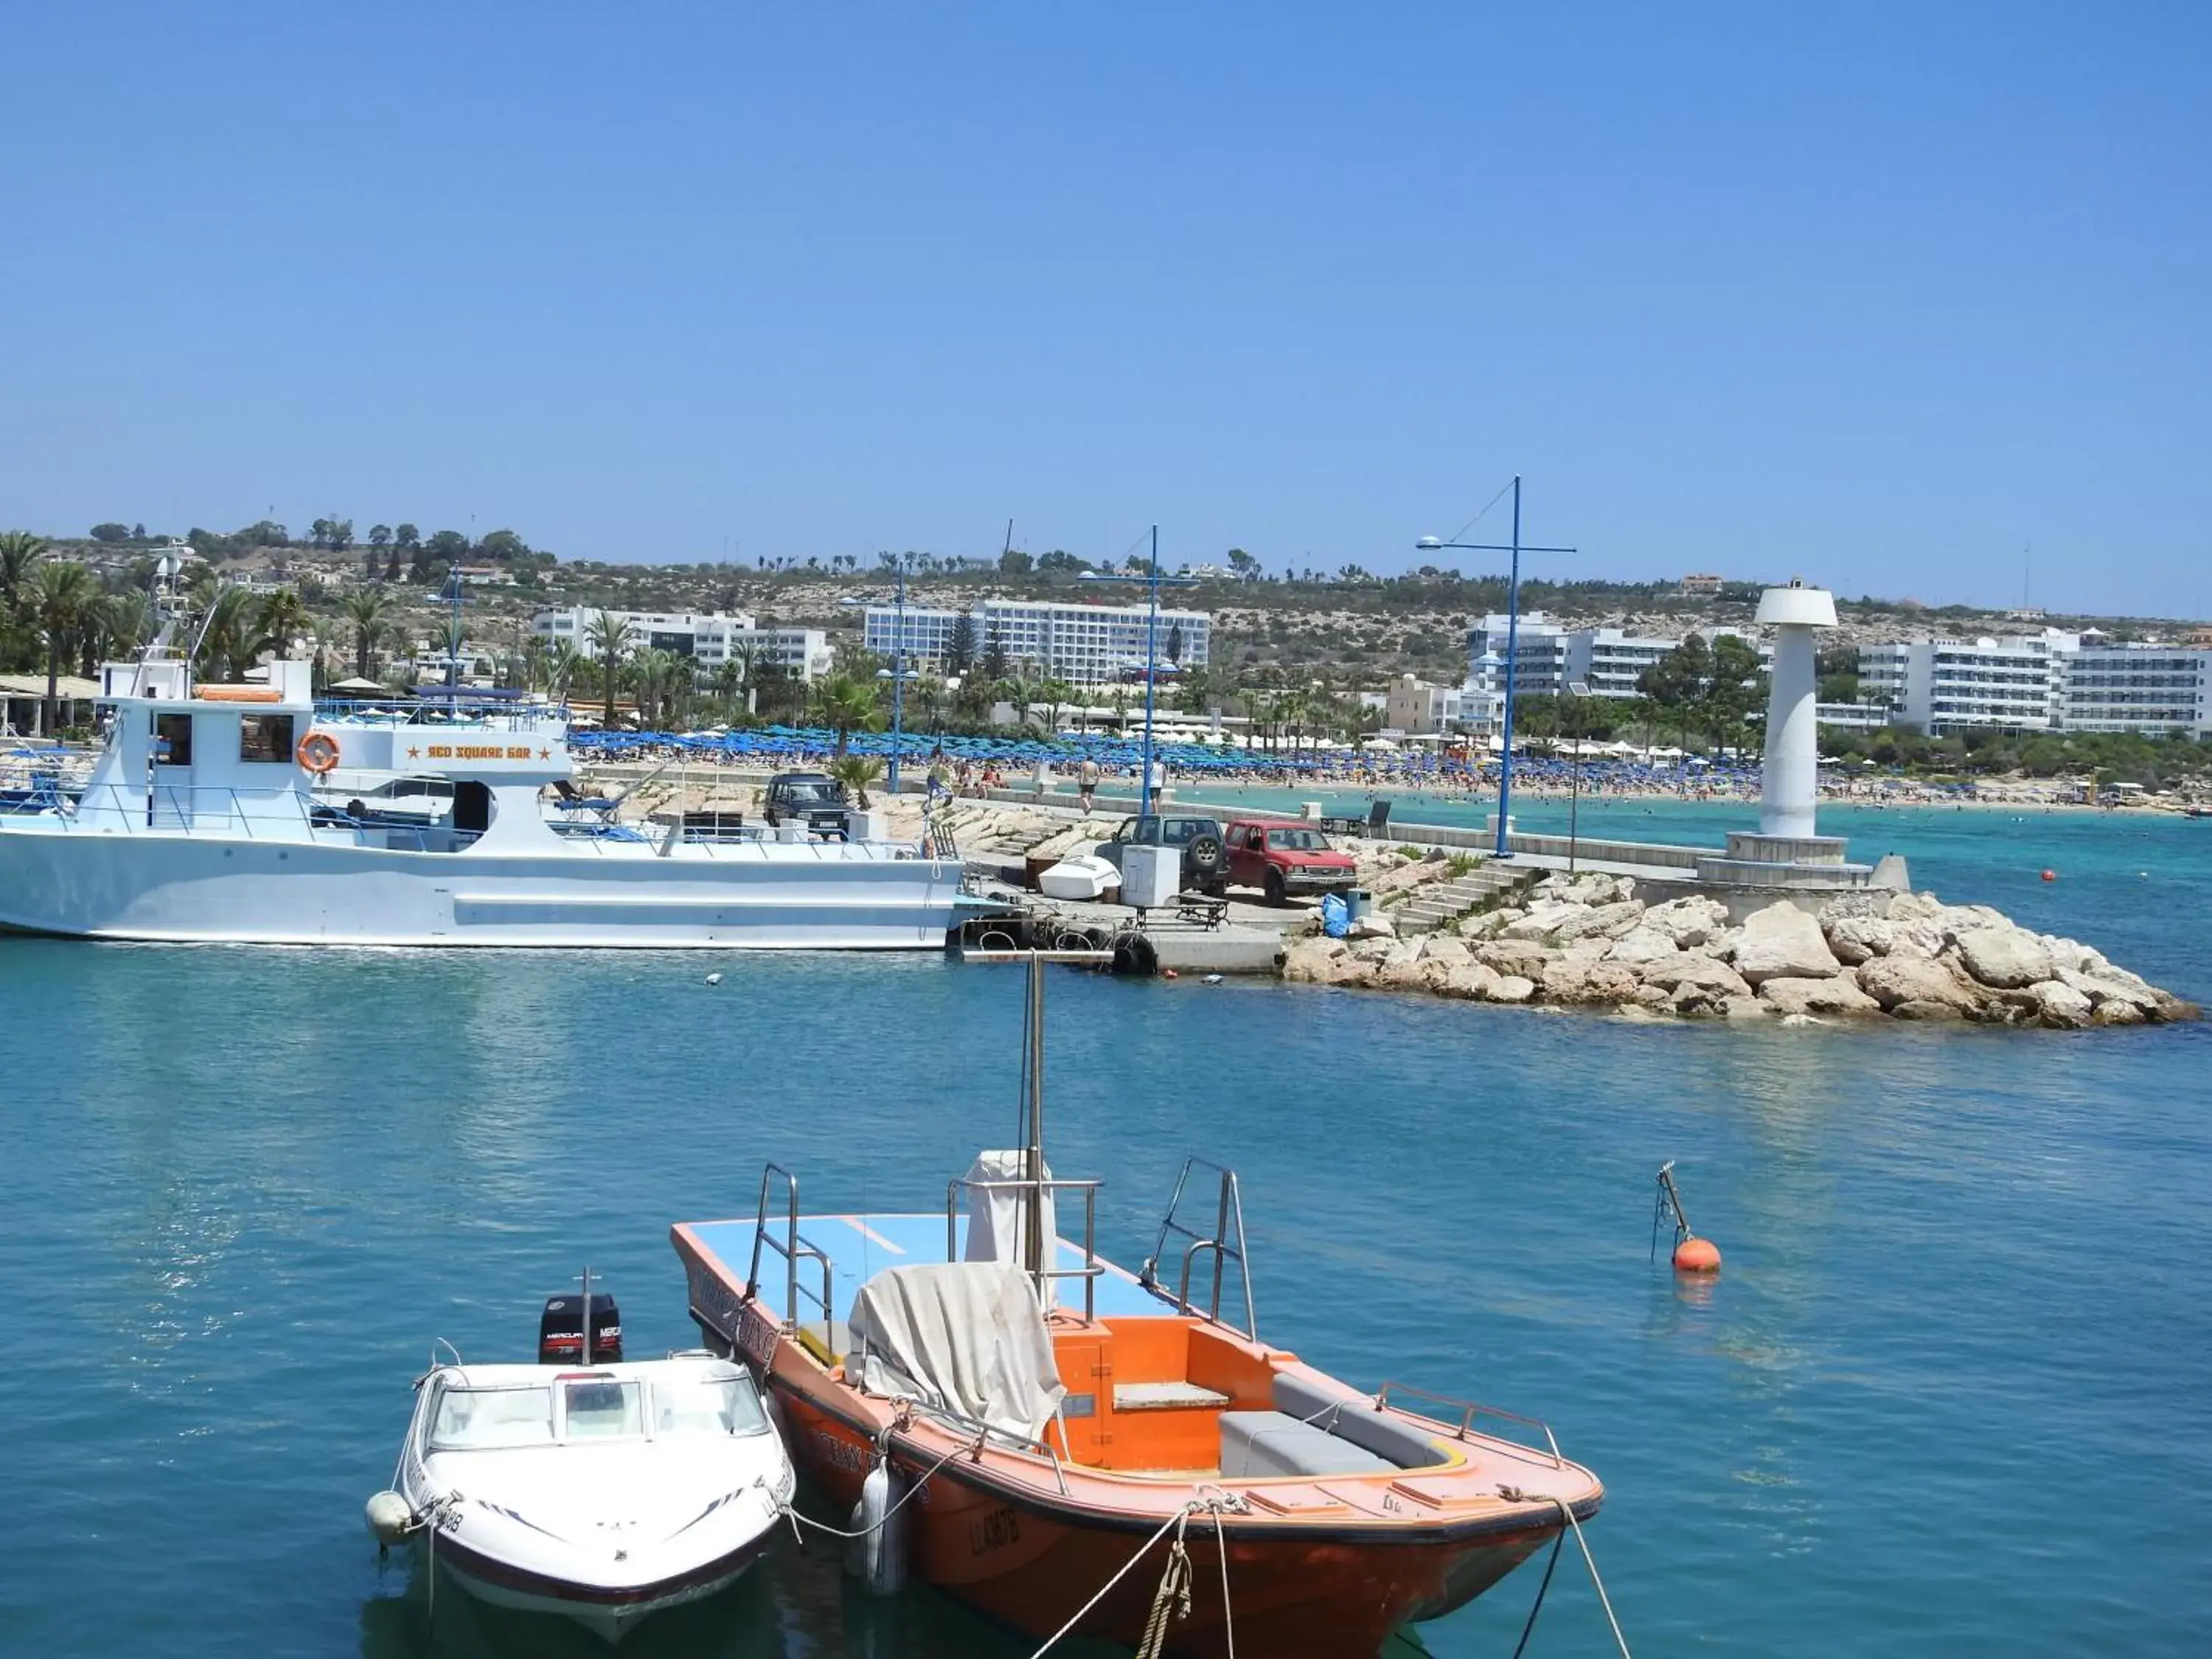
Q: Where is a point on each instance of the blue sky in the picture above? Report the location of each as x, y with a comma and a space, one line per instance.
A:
1876, 293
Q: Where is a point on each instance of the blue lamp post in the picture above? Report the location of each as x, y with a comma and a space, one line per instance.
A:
1154, 582
1429, 544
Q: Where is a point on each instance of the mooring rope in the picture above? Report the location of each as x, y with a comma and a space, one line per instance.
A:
1173, 1592
791, 1511
1515, 1495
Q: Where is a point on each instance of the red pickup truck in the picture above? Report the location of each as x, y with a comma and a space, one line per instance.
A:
1286, 858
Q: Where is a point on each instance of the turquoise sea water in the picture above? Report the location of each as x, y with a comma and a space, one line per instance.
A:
1949, 1394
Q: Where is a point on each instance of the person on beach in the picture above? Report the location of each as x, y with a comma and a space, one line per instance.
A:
1156, 785
1086, 781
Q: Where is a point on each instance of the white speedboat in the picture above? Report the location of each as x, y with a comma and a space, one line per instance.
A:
200, 822
603, 1492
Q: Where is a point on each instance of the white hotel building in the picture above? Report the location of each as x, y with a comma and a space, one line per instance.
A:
1082, 644
2046, 682
708, 639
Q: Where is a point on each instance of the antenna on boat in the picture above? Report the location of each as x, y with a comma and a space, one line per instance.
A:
587, 1314
1035, 1246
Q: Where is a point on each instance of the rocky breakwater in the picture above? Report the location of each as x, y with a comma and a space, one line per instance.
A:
1589, 943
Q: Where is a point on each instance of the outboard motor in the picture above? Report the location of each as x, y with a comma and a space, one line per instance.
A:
561, 1330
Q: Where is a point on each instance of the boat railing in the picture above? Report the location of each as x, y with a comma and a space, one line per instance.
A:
1090, 1270
989, 1434
213, 808
791, 1246
1223, 1245
1462, 1415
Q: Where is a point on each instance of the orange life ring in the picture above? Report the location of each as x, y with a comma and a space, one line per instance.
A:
319, 752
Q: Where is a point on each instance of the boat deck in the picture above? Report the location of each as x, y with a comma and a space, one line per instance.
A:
861, 1246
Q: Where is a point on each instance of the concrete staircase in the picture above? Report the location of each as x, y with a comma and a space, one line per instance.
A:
1445, 902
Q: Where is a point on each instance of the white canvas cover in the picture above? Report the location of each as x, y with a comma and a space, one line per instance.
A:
997, 1216
968, 1336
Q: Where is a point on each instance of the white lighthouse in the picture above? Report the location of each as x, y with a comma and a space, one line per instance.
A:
1787, 857
1791, 782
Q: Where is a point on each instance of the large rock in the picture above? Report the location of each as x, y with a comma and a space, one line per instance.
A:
2116, 1012
1926, 1011
1515, 957
1571, 982
1830, 996
1512, 988
1689, 922
1371, 926
1911, 976
1491, 923
1783, 942
1545, 920
1915, 907
1640, 947
1467, 980
1702, 972
1443, 947
1577, 922
2062, 1005
2004, 958
1855, 939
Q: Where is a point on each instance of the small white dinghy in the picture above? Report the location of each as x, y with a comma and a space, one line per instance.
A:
1083, 877
584, 1486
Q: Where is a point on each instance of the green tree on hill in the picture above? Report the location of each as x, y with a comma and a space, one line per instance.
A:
960, 643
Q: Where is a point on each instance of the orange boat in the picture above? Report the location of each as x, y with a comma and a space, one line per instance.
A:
1066, 1421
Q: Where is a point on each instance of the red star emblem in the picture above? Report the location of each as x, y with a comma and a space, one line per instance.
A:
414, 753
545, 754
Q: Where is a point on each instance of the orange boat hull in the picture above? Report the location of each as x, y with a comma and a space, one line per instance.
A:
1297, 1593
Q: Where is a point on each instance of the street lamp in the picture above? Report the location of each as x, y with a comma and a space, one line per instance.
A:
1153, 581
1430, 544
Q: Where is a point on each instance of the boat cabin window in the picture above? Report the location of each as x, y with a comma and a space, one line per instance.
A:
600, 1405
491, 1419
706, 1404
173, 739
264, 738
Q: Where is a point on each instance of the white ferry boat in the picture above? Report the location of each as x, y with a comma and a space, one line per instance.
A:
201, 824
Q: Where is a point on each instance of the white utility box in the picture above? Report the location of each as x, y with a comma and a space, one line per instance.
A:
1151, 876
868, 826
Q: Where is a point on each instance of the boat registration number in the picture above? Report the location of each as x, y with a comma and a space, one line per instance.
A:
993, 1532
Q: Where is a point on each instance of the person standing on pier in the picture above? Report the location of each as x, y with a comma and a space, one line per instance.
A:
1086, 781
1156, 785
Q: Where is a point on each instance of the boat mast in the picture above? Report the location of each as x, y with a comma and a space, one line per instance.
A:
1034, 1243
587, 1314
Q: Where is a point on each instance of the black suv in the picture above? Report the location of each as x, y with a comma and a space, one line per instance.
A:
1205, 856
810, 798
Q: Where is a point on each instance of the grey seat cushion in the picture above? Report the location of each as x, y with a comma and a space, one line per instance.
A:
1357, 1420
1261, 1443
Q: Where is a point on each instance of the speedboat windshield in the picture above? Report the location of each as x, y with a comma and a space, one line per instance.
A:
601, 1405
706, 1404
491, 1419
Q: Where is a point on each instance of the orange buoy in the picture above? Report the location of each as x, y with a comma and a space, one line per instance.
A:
2051, 875
1697, 1256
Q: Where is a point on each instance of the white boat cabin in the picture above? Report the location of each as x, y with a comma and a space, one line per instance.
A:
243, 760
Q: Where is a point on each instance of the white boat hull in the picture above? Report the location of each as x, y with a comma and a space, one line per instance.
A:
198, 888
606, 1616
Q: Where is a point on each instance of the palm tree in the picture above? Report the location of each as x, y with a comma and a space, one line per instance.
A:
58, 595
113, 627
229, 640
856, 773
561, 667
844, 704
19, 551
745, 658
609, 637
366, 609
283, 618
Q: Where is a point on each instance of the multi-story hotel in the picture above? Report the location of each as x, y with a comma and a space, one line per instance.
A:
711, 639
1082, 644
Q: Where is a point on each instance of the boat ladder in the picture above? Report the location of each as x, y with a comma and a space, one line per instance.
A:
793, 1249
1223, 1245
